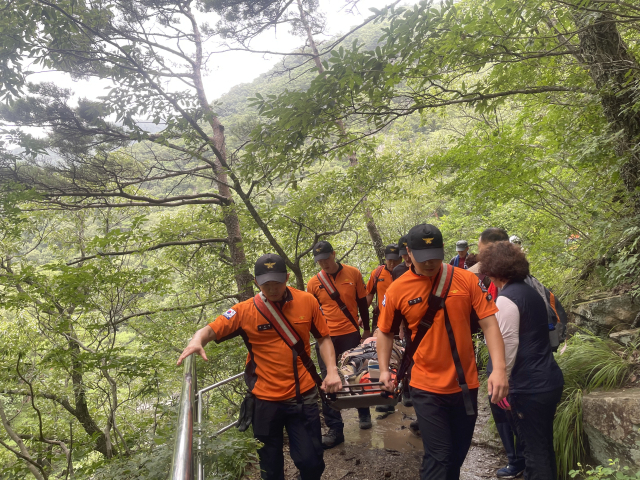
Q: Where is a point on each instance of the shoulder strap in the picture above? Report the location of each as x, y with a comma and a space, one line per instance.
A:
377, 272
437, 297
376, 277
276, 318
328, 285
462, 381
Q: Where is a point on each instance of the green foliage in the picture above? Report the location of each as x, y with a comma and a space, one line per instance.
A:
464, 114
229, 456
625, 264
587, 362
482, 352
613, 471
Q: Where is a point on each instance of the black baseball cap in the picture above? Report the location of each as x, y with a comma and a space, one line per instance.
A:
270, 268
461, 245
322, 250
425, 242
391, 252
402, 244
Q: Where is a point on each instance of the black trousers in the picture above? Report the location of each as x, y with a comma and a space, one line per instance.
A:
532, 416
512, 444
305, 438
446, 431
341, 343
374, 320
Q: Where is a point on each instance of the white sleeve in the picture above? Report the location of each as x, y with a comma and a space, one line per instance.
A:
509, 321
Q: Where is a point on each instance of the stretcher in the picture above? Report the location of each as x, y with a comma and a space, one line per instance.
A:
362, 395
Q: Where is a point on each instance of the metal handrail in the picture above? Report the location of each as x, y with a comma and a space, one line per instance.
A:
190, 400
182, 461
200, 466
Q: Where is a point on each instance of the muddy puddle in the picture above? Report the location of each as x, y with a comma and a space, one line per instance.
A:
389, 431
390, 451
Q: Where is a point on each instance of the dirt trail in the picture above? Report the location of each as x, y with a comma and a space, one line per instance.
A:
390, 451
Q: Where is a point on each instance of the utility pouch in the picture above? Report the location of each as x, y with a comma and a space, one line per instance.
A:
246, 412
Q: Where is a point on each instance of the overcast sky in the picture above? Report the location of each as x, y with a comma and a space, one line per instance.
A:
232, 68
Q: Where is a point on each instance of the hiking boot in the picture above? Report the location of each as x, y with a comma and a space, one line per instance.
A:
332, 438
385, 408
510, 471
365, 422
414, 426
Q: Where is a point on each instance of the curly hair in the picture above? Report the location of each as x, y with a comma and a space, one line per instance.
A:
504, 260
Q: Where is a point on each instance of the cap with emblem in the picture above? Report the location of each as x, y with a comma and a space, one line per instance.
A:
322, 250
270, 268
391, 252
425, 242
402, 244
461, 245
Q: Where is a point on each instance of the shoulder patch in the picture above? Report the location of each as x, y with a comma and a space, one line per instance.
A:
482, 286
229, 313
384, 301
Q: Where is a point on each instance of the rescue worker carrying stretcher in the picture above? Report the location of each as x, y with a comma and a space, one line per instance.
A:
438, 302
340, 290
279, 373
379, 280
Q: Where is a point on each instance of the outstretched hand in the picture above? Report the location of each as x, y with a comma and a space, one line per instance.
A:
195, 346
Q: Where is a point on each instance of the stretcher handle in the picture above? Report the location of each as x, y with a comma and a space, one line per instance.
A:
360, 385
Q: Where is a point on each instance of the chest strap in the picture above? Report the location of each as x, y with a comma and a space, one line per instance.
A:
327, 283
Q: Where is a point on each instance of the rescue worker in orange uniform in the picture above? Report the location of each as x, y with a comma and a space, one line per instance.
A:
340, 290
285, 391
381, 278
444, 378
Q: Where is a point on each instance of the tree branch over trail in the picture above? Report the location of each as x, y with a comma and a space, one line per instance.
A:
149, 249
173, 309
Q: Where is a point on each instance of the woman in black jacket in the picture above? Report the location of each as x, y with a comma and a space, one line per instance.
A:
535, 380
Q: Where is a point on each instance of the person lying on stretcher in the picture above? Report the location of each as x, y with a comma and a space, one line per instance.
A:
359, 365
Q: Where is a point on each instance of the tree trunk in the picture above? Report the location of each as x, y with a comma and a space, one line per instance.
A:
231, 221
82, 413
614, 71
372, 228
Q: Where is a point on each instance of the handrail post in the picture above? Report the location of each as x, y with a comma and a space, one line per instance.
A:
182, 462
199, 453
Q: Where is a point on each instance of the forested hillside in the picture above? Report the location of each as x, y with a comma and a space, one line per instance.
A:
118, 242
